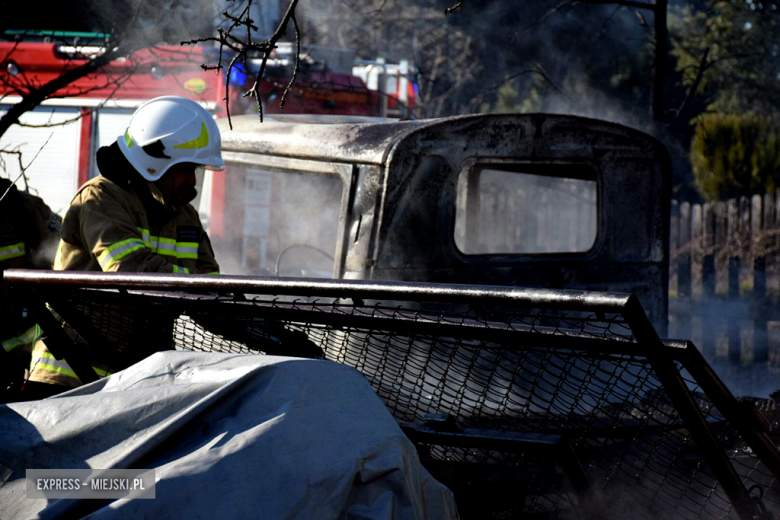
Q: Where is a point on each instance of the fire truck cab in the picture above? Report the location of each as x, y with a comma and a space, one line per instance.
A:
523, 200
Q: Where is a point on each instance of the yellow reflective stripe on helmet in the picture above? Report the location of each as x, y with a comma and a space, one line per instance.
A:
29, 336
12, 251
128, 140
201, 141
116, 252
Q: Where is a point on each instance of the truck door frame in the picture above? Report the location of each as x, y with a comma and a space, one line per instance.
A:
346, 172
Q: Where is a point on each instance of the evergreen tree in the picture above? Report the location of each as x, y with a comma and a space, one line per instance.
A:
734, 155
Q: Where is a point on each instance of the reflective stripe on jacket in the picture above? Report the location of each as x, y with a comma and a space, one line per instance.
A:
12, 251
28, 337
48, 369
107, 228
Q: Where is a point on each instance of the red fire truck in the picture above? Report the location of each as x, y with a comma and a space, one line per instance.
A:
332, 81
94, 110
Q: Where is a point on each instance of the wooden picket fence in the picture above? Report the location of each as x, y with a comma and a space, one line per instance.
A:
724, 286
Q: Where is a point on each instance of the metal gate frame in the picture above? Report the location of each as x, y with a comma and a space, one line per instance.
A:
39, 286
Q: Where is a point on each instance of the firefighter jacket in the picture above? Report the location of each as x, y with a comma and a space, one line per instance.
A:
107, 228
29, 232
121, 222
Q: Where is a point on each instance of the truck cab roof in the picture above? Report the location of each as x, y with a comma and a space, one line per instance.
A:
360, 138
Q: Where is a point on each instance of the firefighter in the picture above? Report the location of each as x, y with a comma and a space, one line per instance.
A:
135, 216
29, 232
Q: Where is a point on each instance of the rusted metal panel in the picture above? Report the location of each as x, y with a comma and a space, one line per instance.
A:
325, 138
630, 254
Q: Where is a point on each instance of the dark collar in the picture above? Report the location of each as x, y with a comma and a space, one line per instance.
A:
114, 166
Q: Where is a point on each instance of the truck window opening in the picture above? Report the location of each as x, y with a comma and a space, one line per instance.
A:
500, 211
291, 222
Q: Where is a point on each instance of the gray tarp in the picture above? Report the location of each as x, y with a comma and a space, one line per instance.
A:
230, 436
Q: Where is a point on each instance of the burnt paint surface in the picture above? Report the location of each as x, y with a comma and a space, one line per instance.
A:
415, 239
403, 211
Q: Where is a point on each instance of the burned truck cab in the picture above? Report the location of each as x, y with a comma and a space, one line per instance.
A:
530, 200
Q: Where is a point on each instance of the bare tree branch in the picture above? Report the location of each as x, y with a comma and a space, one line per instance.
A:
18, 155
559, 6
244, 47
297, 61
37, 95
537, 70
22, 168
642, 19
606, 22
117, 85
379, 10
703, 65
627, 3
454, 7
13, 49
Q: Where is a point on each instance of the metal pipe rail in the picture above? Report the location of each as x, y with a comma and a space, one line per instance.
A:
433, 292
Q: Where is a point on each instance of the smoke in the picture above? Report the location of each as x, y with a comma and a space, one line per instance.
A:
142, 22
43, 256
156, 21
280, 222
592, 61
588, 60
714, 330
519, 212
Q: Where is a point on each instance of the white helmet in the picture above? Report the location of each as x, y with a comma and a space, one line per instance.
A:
170, 130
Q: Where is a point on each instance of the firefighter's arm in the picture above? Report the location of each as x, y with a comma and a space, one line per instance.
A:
109, 231
45, 226
206, 262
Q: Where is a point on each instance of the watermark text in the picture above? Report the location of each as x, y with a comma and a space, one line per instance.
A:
90, 483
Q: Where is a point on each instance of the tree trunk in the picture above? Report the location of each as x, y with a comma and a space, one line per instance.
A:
660, 62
